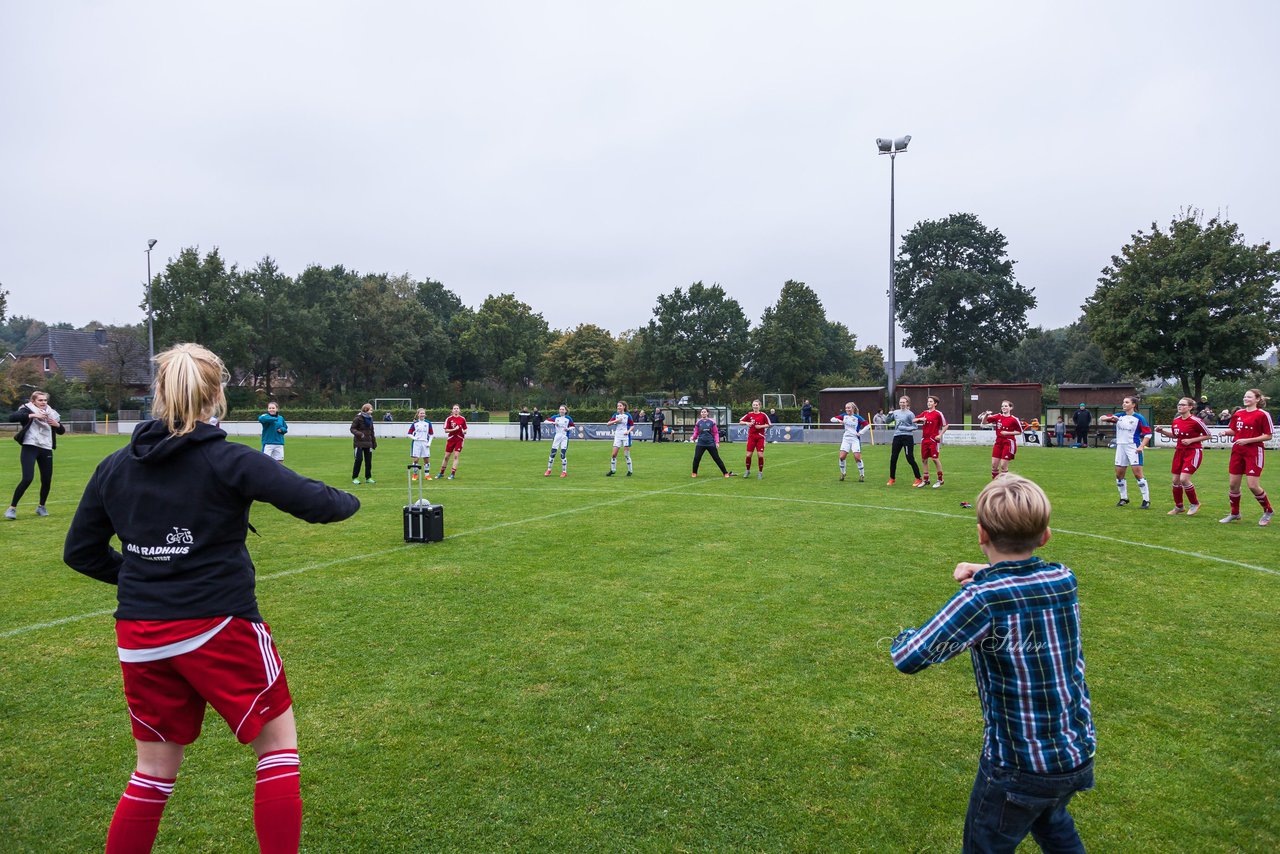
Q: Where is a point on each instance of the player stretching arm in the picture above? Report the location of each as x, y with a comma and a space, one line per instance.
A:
851, 442
1188, 433
1008, 429
622, 425
455, 431
935, 424
757, 424
421, 431
560, 442
1133, 434
1251, 427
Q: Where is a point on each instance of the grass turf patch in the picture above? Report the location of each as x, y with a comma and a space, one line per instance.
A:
659, 663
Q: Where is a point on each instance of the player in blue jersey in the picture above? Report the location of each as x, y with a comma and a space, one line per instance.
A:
622, 424
851, 441
560, 441
420, 431
1133, 434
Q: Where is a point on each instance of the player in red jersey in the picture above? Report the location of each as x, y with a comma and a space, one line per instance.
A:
1188, 433
1252, 428
757, 422
188, 630
1008, 429
935, 424
455, 429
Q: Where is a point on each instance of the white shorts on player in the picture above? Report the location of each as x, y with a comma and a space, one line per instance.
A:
1128, 455
560, 442
421, 450
850, 446
276, 452
622, 441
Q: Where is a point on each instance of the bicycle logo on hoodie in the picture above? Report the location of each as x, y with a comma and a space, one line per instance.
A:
177, 542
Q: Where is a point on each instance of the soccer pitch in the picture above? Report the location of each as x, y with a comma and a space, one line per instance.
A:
658, 663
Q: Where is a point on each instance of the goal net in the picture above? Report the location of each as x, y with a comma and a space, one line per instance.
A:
386, 403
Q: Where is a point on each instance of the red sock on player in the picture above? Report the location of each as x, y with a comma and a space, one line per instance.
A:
1177, 495
137, 817
1191, 494
1235, 503
1264, 501
277, 802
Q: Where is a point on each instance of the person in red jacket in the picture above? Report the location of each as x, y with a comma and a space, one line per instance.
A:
455, 431
188, 629
1252, 428
757, 424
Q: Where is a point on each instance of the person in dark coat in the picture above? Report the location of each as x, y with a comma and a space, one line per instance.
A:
524, 424
659, 421
364, 442
535, 421
1082, 419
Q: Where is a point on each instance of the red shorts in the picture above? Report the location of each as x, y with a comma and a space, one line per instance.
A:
1186, 459
453, 443
928, 449
755, 442
1248, 460
1004, 449
237, 671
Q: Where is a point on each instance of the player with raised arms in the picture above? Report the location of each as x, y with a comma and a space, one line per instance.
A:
1252, 428
757, 424
420, 431
188, 630
455, 431
1008, 428
851, 441
623, 424
1189, 434
1133, 434
934, 425
562, 421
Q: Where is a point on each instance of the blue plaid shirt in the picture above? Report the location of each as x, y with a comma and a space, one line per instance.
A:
1020, 621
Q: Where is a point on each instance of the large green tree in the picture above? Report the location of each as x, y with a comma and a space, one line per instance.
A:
630, 371
697, 336
787, 348
1191, 302
507, 339
957, 299
270, 307
580, 360
194, 299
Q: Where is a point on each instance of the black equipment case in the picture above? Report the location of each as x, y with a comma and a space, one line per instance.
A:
423, 521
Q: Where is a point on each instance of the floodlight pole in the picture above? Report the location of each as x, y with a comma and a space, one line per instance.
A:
892, 147
151, 337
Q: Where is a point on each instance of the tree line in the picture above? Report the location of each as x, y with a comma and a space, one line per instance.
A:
1192, 302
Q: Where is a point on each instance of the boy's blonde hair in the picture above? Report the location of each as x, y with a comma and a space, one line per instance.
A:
188, 387
1014, 511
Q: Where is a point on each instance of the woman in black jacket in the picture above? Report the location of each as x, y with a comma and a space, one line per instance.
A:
364, 442
188, 629
38, 436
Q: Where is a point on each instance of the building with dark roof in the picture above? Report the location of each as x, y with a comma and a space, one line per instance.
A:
68, 353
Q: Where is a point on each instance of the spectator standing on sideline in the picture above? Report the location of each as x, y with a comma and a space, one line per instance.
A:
806, 413
364, 442
386, 416
879, 419
642, 418
535, 421
659, 421
188, 630
273, 430
1019, 617
38, 437
524, 424
1082, 418
1060, 432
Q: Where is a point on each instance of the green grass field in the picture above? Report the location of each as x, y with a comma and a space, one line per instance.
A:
658, 663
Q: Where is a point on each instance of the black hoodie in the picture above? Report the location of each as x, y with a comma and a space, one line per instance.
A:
180, 506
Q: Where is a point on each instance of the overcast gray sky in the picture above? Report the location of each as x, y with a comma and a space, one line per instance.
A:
587, 156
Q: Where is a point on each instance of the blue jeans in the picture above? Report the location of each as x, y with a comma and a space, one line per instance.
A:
1006, 804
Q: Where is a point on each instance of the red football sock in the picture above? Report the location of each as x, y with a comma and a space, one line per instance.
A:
277, 803
1235, 503
137, 817
1177, 495
748, 463
760, 464
1191, 493
1264, 501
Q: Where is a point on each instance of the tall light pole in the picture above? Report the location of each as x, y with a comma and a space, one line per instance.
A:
892, 147
151, 336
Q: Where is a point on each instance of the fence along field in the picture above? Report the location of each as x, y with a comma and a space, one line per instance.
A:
658, 663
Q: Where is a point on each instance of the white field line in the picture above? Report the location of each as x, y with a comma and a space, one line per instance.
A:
631, 497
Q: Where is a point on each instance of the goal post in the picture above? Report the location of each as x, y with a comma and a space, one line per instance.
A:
386, 403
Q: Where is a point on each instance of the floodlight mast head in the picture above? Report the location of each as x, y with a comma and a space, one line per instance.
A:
151, 243
893, 147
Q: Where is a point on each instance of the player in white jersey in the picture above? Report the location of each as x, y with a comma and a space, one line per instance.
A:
851, 441
421, 431
1133, 433
622, 425
560, 441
